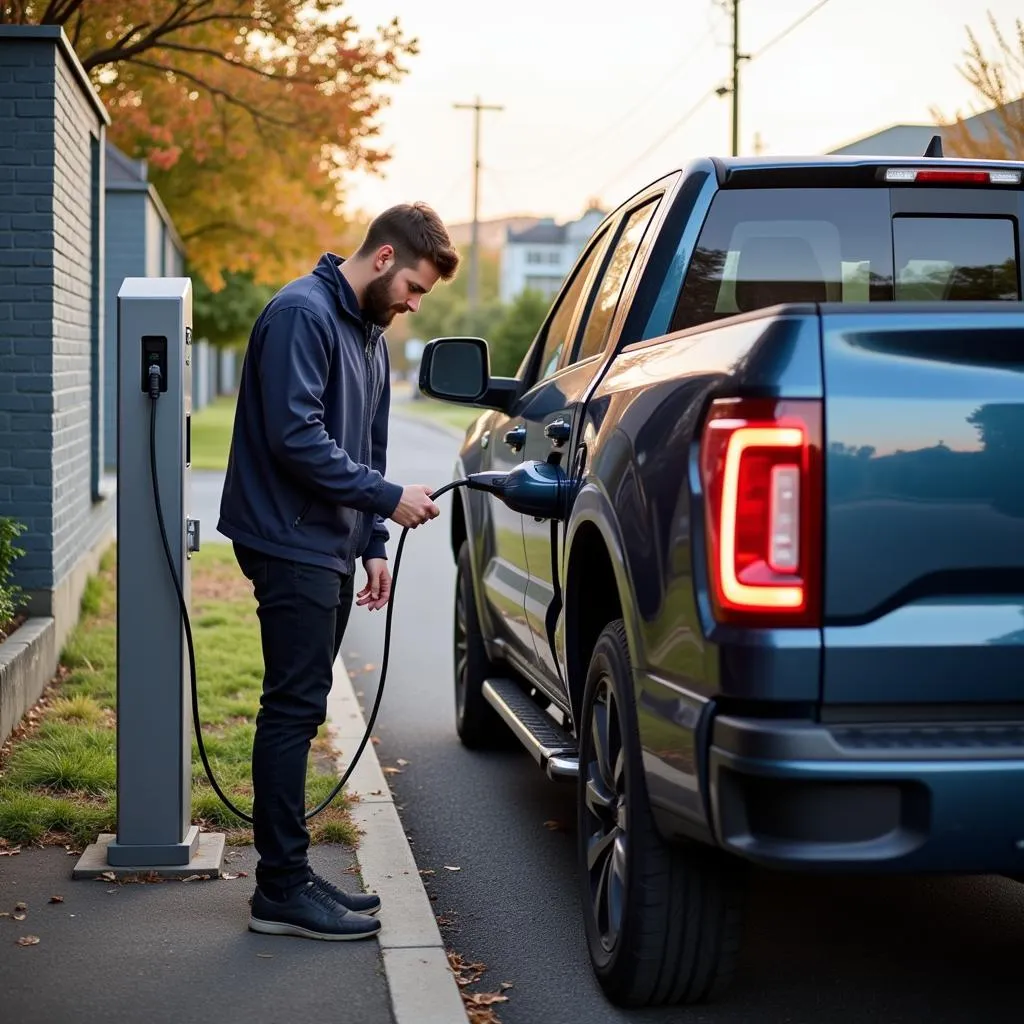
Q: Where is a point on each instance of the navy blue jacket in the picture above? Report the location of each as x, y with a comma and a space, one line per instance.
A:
305, 477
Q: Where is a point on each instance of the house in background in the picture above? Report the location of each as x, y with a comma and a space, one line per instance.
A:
540, 256
913, 139
142, 242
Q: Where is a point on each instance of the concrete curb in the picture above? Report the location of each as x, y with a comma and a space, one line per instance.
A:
423, 988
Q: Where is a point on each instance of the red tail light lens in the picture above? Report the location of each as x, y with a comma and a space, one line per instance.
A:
761, 473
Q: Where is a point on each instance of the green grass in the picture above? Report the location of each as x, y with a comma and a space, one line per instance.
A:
211, 434
58, 780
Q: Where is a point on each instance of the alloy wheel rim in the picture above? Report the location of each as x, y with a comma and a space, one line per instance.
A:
606, 818
461, 646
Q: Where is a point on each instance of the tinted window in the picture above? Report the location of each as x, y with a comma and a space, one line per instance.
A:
760, 247
554, 338
599, 322
955, 259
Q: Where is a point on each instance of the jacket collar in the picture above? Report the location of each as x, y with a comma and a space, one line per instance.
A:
328, 270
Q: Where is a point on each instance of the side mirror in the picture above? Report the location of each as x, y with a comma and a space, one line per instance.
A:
459, 370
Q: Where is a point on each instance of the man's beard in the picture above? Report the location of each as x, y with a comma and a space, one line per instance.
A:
377, 305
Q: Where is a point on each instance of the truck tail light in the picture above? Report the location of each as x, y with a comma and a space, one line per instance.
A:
760, 466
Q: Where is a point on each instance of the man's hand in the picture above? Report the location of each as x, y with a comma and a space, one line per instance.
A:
415, 507
378, 585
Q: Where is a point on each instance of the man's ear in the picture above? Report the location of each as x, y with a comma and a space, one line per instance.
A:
384, 257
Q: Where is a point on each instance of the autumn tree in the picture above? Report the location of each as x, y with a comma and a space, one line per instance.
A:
250, 113
996, 74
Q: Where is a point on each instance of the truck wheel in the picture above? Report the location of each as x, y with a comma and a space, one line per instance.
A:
662, 922
479, 726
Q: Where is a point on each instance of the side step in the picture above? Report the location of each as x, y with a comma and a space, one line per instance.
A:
549, 744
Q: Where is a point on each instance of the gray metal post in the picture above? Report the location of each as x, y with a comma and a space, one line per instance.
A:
154, 731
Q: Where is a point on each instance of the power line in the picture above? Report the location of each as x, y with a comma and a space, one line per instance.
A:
650, 149
587, 145
721, 90
785, 32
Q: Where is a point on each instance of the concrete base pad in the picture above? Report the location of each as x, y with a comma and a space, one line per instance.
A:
207, 863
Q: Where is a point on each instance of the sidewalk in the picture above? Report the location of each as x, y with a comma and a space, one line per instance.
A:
180, 952
172, 952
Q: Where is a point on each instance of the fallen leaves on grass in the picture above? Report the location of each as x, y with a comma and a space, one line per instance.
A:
28, 940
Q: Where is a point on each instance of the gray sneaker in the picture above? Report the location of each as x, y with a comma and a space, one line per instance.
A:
359, 902
309, 913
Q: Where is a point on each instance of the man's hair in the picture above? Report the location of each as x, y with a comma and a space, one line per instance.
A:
416, 233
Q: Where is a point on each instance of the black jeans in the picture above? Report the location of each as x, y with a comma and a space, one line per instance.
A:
303, 611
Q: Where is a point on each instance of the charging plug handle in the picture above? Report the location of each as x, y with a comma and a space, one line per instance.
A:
532, 488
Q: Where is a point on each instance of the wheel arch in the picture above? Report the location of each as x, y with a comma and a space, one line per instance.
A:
597, 588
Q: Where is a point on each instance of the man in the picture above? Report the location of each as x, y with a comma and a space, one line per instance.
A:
305, 496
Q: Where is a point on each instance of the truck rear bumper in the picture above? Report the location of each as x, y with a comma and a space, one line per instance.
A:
947, 798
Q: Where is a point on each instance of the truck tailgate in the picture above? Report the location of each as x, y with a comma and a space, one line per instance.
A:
924, 505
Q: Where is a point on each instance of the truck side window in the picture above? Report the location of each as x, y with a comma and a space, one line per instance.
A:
555, 334
599, 318
762, 247
962, 259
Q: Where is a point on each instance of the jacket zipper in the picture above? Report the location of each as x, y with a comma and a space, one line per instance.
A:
367, 418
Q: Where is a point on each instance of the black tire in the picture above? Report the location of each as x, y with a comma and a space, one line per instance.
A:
479, 726
662, 922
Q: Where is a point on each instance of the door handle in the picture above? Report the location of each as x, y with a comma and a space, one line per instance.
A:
558, 431
516, 437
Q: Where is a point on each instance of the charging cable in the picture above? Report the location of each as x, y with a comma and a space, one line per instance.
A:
154, 394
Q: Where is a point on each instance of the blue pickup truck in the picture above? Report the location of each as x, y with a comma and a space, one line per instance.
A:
777, 616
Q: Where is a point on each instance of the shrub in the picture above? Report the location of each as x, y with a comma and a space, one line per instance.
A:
10, 594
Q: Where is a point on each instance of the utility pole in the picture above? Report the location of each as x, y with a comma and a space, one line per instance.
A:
736, 77
733, 6
474, 260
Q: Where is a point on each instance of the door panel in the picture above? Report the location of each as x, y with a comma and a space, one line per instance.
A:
505, 574
552, 415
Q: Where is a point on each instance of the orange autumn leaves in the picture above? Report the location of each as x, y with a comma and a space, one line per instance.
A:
250, 113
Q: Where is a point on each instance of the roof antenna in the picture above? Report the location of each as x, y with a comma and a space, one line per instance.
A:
934, 147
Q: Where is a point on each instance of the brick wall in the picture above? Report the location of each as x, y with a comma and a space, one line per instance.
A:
51, 310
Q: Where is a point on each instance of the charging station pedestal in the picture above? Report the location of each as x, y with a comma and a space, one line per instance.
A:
154, 702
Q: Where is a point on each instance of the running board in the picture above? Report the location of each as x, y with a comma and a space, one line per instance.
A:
549, 744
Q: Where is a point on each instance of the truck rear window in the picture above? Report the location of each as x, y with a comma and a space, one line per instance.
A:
762, 247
